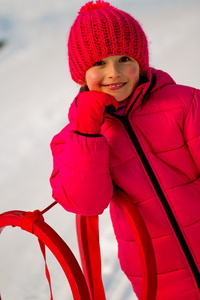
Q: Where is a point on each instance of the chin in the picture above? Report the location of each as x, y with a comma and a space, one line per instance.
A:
120, 99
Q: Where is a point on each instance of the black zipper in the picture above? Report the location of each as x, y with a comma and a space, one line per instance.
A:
124, 120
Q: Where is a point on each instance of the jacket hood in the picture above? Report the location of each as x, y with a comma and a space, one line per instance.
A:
155, 80
162, 78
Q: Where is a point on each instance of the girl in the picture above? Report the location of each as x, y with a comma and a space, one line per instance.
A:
134, 128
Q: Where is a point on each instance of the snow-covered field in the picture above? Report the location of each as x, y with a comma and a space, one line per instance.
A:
36, 91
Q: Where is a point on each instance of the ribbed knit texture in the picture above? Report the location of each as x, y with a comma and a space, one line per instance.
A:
101, 30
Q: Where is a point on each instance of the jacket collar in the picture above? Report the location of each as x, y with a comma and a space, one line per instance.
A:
155, 79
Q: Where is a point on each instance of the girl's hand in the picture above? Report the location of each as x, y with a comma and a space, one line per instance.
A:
90, 111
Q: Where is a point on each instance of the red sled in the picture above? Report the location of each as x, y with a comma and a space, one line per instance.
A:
86, 283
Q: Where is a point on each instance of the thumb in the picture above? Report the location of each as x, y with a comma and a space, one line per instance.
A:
111, 101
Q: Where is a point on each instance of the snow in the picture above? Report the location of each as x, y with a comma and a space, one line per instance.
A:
36, 91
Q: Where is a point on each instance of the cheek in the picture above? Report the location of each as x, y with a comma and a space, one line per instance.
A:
135, 78
93, 79
134, 73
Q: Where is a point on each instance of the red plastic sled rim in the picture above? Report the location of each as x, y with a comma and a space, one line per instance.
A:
143, 240
55, 244
89, 248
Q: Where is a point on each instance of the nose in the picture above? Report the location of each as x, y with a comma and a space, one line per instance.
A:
113, 70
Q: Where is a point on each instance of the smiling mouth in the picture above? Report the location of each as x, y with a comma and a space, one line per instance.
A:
115, 85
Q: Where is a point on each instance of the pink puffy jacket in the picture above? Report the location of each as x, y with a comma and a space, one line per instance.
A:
153, 154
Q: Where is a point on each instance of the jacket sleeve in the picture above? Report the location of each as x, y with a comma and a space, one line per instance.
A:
81, 180
192, 129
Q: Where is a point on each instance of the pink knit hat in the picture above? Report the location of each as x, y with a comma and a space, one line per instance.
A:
101, 30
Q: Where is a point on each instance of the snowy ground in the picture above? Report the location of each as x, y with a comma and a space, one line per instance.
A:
36, 91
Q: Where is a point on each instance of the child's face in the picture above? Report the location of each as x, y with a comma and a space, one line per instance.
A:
115, 75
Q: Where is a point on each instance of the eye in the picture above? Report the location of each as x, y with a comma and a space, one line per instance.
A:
99, 63
124, 59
